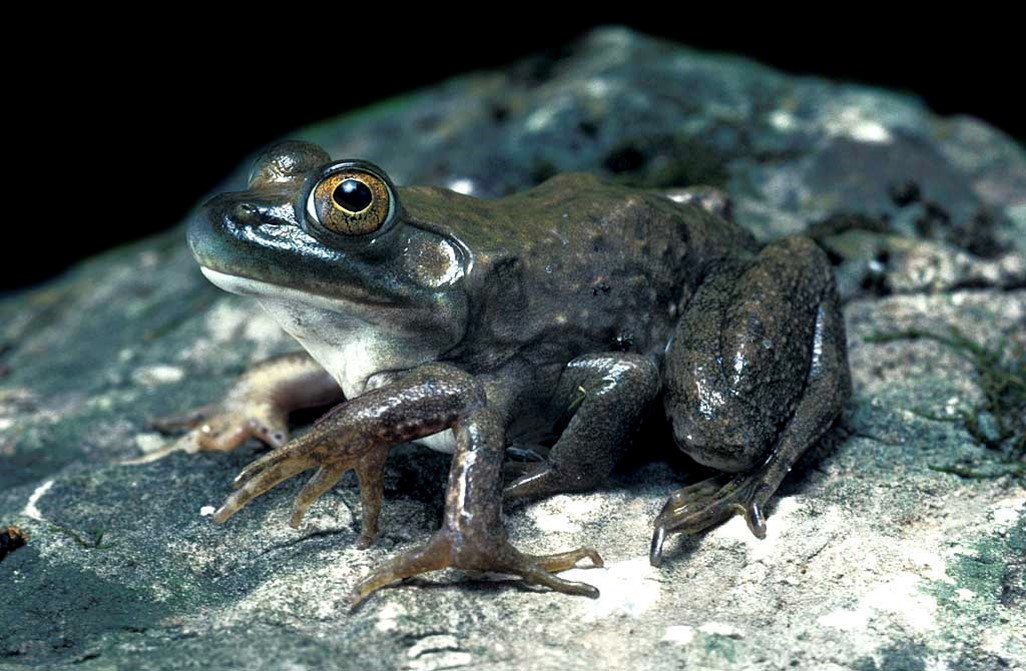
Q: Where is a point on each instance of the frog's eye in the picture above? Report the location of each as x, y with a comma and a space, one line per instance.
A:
351, 200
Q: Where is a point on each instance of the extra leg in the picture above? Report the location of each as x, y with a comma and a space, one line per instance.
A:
472, 534
257, 406
608, 395
777, 329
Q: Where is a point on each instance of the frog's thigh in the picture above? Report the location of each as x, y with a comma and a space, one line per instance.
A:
827, 386
611, 392
740, 357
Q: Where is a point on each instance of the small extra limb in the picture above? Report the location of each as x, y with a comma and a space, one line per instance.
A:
357, 435
472, 536
608, 395
257, 406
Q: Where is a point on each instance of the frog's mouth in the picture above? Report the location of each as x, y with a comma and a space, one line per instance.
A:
248, 286
276, 258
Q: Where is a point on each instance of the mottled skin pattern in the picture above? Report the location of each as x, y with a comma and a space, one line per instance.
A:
567, 311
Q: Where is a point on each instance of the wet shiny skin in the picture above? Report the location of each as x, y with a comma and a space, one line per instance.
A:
556, 319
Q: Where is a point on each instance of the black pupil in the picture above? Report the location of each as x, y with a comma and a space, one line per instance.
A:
353, 195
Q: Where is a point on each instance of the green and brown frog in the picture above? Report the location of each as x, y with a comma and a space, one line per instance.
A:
461, 323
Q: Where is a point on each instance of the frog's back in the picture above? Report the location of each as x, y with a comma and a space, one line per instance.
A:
580, 264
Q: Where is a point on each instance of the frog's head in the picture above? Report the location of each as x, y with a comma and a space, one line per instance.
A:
329, 250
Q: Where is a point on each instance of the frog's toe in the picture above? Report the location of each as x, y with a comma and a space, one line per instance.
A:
257, 485
705, 504
540, 479
450, 550
323, 480
304, 453
219, 428
228, 430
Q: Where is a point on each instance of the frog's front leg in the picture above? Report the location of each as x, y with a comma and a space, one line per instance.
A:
472, 535
257, 406
357, 435
608, 395
756, 373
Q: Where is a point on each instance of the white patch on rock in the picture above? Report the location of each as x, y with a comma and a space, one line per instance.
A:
150, 442
563, 513
628, 588
964, 594
30, 509
720, 629
1008, 511
462, 185
736, 530
853, 122
681, 634
388, 617
930, 565
782, 120
207, 511
899, 595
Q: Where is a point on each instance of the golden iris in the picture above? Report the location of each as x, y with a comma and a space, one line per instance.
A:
351, 202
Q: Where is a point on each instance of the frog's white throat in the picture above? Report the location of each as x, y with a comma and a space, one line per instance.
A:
353, 350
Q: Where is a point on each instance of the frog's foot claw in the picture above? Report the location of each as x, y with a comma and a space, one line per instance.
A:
705, 504
442, 552
220, 428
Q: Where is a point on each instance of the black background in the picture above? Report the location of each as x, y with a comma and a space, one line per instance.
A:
122, 126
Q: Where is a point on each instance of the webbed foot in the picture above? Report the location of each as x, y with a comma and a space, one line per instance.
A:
450, 549
705, 504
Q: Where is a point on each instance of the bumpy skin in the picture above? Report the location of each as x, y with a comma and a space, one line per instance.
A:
567, 311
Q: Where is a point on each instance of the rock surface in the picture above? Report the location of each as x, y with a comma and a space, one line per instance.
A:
879, 556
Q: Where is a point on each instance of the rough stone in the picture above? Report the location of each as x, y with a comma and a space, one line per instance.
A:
877, 557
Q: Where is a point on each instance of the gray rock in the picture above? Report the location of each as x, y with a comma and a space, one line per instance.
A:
875, 559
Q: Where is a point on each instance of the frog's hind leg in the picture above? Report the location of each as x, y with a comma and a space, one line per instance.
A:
472, 536
256, 406
756, 373
608, 395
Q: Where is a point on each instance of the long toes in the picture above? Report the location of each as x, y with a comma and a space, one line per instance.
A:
698, 507
187, 443
539, 479
266, 480
288, 452
430, 557
536, 575
565, 560
323, 480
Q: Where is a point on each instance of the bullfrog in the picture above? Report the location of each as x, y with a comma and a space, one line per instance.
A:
580, 309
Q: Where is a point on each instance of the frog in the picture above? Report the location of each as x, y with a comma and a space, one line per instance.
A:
556, 323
